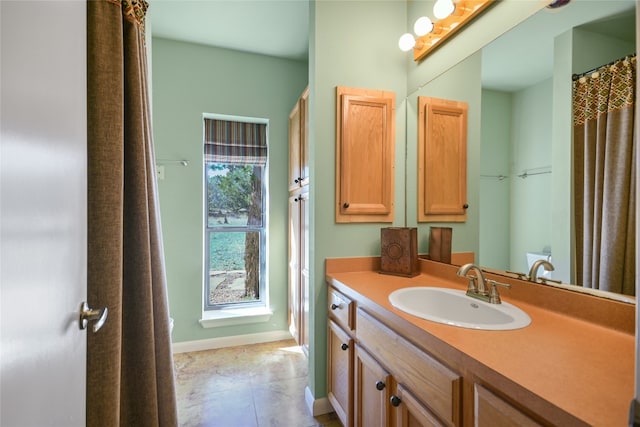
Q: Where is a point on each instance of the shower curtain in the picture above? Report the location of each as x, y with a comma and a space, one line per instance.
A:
604, 177
129, 362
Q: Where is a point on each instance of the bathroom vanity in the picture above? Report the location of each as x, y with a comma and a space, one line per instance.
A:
572, 366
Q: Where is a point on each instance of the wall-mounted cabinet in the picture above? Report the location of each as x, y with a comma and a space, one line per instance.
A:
365, 148
442, 160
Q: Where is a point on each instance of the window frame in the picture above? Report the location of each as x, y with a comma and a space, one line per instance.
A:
262, 301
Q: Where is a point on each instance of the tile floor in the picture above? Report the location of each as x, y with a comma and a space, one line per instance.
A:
246, 386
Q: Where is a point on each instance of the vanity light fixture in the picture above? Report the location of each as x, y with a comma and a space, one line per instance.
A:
443, 8
423, 26
406, 42
451, 17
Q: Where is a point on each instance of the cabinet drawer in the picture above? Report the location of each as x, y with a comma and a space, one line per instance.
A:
342, 309
490, 410
432, 383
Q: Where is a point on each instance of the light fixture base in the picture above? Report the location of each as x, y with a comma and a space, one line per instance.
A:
465, 11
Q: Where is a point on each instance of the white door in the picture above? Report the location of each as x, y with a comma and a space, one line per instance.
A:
42, 212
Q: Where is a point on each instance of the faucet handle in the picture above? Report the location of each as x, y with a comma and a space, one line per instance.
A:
494, 295
546, 279
473, 285
521, 276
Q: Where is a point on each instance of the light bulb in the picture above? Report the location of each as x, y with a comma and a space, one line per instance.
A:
423, 26
443, 8
406, 42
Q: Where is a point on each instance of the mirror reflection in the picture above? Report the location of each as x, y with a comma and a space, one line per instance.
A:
526, 161
519, 147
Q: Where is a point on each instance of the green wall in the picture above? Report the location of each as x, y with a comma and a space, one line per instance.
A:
516, 212
530, 209
352, 43
495, 160
189, 80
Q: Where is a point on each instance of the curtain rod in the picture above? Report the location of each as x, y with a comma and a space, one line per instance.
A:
171, 161
526, 174
577, 76
498, 177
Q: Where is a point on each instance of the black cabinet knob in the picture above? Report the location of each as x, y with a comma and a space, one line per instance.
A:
334, 306
297, 180
465, 206
296, 200
344, 346
380, 385
395, 401
345, 205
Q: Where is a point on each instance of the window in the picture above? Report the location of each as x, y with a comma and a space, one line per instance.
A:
235, 162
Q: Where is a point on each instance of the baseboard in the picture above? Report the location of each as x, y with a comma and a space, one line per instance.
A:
317, 406
213, 343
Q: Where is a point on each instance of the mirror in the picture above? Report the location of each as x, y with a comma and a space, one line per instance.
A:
525, 203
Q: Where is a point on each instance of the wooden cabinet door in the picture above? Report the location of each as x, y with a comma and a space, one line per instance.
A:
295, 174
365, 152
294, 268
371, 391
299, 268
442, 160
492, 411
304, 137
299, 143
410, 412
340, 372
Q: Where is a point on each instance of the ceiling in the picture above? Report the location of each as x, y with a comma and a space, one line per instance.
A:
271, 27
281, 28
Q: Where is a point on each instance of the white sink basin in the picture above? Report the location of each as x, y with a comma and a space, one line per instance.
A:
453, 307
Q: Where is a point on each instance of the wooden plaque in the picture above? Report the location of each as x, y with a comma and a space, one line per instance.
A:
440, 244
399, 252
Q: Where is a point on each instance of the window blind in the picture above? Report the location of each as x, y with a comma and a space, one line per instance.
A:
235, 142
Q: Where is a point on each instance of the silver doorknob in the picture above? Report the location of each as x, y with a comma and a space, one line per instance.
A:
87, 314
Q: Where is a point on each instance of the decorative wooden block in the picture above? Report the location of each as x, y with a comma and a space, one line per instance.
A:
399, 252
440, 244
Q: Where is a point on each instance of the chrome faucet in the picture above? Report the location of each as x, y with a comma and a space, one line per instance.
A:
479, 290
533, 272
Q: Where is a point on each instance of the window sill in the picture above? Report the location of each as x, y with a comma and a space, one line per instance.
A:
235, 316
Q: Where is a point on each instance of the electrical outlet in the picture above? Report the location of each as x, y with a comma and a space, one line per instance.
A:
160, 172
